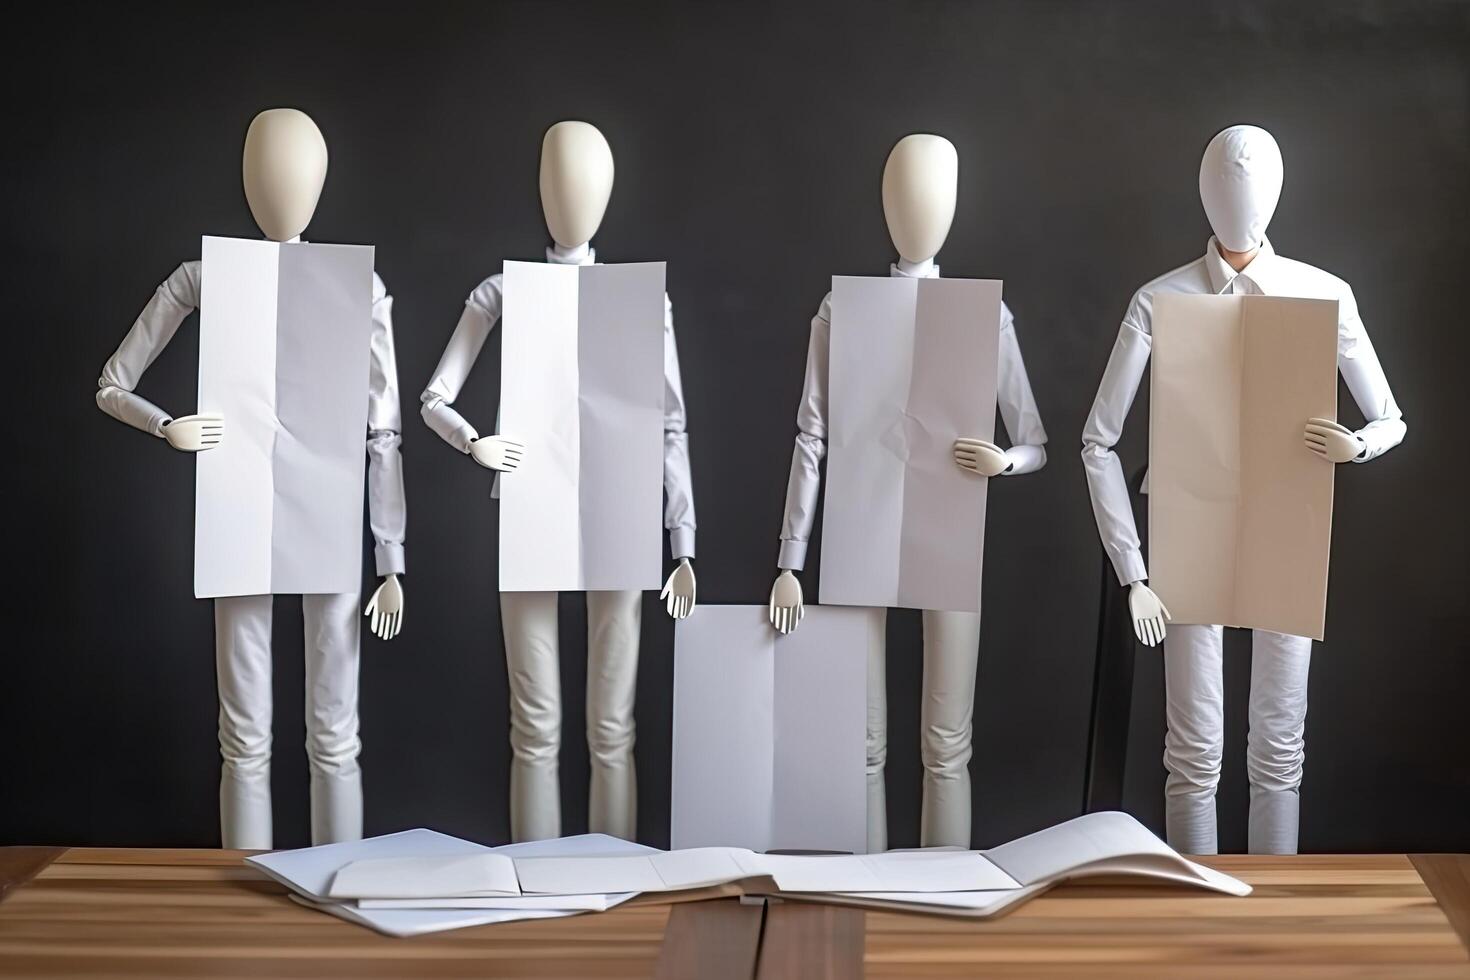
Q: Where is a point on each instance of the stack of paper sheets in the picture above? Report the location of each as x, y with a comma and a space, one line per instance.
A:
419, 881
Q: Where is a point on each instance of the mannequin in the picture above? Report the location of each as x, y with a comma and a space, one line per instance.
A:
1240, 183
576, 183
920, 183
284, 168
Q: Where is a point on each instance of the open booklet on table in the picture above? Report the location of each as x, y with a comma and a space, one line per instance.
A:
420, 881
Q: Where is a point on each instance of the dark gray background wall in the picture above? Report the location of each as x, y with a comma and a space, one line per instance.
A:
749, 140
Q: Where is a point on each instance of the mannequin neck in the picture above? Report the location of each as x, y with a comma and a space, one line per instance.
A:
915, 270
576, 255
1236, 260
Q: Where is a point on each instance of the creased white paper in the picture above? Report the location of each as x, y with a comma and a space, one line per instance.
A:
583, 387
769, 729
912, 369
284, 337
1240, 511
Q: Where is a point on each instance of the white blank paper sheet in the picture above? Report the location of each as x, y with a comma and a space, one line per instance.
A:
912, 368
284, 337
1240, 511
769, 730
583, 387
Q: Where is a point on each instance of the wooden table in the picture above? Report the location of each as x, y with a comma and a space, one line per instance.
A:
201, 913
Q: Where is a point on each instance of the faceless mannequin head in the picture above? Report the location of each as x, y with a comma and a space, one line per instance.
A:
285, 167
1239, 185
919, 186
576, 181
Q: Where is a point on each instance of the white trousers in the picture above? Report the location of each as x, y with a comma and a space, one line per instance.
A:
533, 662
242, 639
1194, 745
946, 723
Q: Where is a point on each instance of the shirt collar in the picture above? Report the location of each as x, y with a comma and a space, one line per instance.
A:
1222, 275
904, 269
583, 254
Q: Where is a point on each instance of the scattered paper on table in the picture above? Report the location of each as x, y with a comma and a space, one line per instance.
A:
1240, 511
284, 339
912, 369
583, 388
769, 730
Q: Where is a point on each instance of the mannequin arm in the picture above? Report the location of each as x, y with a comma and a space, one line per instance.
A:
1017, 404
1358, 363
387, 506
1111, 505
481, 312
805, 482
678, 483
175, 298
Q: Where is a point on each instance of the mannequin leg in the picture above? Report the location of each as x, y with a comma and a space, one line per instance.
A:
946, 720
331, 626
534, 669
877, 739
1275, 747
614, 622
242, 658
1195, 710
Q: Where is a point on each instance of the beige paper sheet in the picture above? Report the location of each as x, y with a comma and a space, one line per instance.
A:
1240, 512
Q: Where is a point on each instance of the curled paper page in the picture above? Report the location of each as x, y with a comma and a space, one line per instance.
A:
284, 337
769, 729
912, 369
583, 387
1240, 511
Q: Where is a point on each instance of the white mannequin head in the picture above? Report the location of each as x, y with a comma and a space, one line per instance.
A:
576, 181
1239, 185
919, 187
284, 169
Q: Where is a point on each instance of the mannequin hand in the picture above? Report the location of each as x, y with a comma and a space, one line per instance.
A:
195, 433
979, 456
679, 590
1149, 613
786, 609
1331, 441
497, 453
386, 609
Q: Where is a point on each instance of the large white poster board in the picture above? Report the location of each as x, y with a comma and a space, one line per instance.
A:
1240, 512
284, 337
582, 385
769, 730
912, 368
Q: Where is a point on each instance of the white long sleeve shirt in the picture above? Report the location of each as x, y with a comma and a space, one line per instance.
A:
1013, 395
481, 313
1268, 274
175, 299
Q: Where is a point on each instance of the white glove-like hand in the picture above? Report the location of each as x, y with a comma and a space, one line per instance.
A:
786, 609
195, 433
679, 590
979, 456
497, 453
386, 609
1332, 441
1149, 613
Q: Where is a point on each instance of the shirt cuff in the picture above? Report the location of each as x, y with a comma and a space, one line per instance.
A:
389, 558
1129, 566
681, 542
793, 555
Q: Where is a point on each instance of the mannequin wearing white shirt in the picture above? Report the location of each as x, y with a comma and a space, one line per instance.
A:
1240, 183
285, 165
919, 189
576, 182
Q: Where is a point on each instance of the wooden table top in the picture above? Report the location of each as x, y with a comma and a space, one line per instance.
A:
202, 913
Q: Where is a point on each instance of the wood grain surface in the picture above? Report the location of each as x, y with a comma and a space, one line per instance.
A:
171, 913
